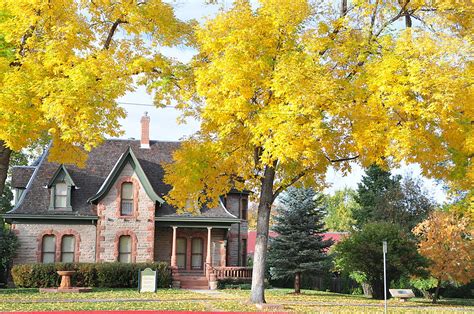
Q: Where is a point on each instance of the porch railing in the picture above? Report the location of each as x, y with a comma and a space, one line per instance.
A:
231, 272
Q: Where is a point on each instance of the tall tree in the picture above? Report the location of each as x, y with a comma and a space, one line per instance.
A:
446, 239
283, 90
382, 197
362, 253
66, 62
299, 248
340, 210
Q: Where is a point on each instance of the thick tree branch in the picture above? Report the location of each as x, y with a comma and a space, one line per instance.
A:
283, 187
112, 32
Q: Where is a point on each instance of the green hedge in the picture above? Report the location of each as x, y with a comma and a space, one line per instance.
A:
103, 275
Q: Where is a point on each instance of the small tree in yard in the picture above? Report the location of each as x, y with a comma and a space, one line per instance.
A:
299, 248
362, 252
447, 240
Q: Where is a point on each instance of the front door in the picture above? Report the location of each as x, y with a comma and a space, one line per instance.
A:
197, 253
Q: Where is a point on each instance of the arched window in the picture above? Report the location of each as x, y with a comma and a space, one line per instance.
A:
126, 201
48, 251
125, 249
68, 244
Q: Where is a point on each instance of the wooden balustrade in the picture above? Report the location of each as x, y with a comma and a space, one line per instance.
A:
232, 272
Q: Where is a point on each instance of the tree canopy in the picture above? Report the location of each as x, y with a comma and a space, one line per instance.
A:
362, 252
446, 239
283, 90
383, 197
67, 63
340, 210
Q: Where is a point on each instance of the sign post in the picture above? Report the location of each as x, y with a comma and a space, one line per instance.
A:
384, 244
147, 280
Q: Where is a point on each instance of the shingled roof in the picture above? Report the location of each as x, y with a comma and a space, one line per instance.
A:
88, 180
21, 175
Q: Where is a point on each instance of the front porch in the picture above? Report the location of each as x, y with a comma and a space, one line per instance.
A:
201, 253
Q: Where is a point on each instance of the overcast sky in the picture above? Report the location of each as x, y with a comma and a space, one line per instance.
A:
164, 124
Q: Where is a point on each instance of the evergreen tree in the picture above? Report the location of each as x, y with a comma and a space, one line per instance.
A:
383, 197
299, 249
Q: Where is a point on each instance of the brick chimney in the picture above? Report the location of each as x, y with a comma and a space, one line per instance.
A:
145, 139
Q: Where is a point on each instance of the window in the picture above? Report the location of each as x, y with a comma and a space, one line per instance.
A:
196, 253
181, 253
244, 210
48, 249
244, 252
67, 249
125, 249
126, 202
60, 195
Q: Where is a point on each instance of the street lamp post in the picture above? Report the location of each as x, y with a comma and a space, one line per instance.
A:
384, 243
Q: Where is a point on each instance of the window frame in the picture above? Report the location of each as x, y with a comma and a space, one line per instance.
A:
120, 253
244, 210
43, 251
131, 201
62, 252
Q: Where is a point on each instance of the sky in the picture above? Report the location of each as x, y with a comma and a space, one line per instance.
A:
164, 125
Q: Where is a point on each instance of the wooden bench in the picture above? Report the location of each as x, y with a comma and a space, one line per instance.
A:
402, 294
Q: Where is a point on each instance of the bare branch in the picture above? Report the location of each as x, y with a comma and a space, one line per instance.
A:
342, 159
283, 187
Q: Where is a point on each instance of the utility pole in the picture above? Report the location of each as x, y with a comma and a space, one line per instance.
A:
384, 244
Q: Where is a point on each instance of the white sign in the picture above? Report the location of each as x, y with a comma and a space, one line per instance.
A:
147, 281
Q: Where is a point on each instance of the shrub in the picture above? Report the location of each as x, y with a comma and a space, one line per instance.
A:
8, 246
104, 275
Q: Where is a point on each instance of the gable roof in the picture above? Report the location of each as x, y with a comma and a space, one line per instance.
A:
93, 180
67, 176
127, 157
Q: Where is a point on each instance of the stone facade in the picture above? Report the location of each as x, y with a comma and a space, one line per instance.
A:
30, 237
140, 225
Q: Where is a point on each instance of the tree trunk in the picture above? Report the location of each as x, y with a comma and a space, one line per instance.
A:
257, 295
298, 283
5, 153
436, 295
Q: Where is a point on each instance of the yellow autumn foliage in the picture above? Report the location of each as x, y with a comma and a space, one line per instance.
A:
71, 60
300, 87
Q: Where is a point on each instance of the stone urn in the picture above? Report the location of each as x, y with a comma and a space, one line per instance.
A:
65, 278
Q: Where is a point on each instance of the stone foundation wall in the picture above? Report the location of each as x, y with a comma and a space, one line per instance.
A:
30, 239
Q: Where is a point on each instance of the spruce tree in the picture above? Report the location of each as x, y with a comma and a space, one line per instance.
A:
299, 248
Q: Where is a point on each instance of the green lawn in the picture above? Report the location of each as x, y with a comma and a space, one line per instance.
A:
225, 300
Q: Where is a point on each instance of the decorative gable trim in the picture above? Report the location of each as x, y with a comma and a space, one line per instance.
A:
127, 157
67, 177
61, 175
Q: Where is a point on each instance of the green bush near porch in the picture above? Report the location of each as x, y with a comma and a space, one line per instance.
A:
102, 275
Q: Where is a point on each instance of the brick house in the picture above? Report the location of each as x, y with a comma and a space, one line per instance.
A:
113, 210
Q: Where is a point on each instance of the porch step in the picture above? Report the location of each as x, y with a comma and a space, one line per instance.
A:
192, 280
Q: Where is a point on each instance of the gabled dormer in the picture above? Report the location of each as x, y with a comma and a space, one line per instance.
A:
60, 187
128, 157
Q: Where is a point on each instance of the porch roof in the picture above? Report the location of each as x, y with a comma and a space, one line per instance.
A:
196, 222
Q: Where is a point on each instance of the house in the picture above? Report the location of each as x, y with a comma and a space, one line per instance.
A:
114, 210
252, 237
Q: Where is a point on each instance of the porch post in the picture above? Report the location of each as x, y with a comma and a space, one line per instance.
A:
208, 253
173, 248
